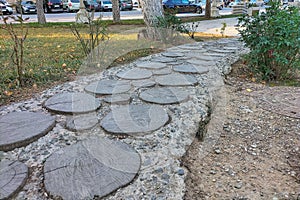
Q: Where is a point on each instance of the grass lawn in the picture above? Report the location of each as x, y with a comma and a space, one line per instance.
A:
53, 55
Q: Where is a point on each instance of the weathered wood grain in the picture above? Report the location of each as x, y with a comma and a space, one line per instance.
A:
135, 74
72, 103
81, 122
135, 119
176, 80
19, 129
93, 167
165, 95
13, 175
108, 87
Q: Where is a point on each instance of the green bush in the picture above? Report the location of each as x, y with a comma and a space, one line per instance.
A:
274, 41
171, 21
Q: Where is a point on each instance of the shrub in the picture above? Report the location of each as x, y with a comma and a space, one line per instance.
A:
274, 41
170, 21
96, 33
18, 36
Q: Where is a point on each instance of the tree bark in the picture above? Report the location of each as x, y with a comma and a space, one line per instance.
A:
116, 11
152, 9
208, 9
40, 12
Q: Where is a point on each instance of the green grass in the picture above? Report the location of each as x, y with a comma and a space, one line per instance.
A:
52, 54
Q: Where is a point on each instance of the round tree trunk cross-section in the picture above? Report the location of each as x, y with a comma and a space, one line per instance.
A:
81, 122
227, 51
207, 58
135, 74
163, 59
19, 129
118, 99
92, 167
172, 54
135, 119
214, 54
164, 95
151, 65
143, 83
108, 87
188, 68
176, 80
13, 175
72, 103
163, 71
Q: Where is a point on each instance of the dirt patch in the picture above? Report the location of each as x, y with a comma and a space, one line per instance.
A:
256, 155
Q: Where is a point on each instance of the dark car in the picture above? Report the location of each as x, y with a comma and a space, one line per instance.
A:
53, 6
126, 4
26, 7
97, 5
89, 5
180, 6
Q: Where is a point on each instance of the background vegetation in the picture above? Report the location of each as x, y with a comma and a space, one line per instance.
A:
51, 55
273, 39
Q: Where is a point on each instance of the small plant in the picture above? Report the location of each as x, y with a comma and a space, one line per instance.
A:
273, 39
170, 21
96, 33
190, 29
224, 25
18, 36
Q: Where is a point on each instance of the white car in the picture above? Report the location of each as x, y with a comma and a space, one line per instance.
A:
234, 3
5, 7
71, 5
106, 5
135, 3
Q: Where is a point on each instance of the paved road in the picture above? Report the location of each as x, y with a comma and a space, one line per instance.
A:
70, 17
134, 14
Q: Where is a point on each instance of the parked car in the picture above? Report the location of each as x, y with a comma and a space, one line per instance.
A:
2, 9
71, 5
97, 5
106, 6
220, 4
5, 3
5, 8
89, 5
26, 7
126, 4
234, 3
180, 6
135, 3
53, 6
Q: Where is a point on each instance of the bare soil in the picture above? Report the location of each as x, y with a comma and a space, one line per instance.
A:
256, 154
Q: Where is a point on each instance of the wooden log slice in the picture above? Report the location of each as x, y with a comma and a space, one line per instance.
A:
19, 129
72, 103
13, 175
93, 167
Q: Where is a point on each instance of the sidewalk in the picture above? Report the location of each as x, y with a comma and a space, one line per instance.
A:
214, 26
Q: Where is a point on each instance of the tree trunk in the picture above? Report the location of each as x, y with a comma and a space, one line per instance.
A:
208, 9
152, 9
40, 12
116, 11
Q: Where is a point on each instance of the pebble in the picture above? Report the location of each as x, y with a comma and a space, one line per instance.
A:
217, 151
180, 172
238, 185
